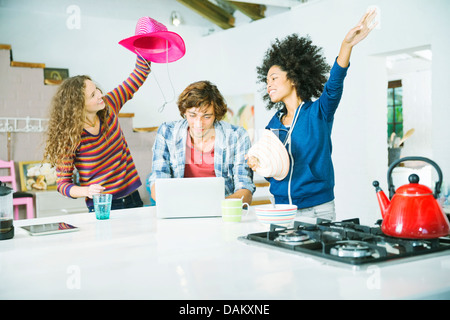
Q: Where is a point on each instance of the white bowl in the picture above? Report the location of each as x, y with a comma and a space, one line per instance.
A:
281, 214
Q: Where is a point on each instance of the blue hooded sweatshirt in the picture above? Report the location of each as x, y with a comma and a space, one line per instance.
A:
310, 180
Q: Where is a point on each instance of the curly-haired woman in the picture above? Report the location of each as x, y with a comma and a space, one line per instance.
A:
84, 133
295, 72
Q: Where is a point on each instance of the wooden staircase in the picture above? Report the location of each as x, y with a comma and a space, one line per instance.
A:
18, 63
21, 64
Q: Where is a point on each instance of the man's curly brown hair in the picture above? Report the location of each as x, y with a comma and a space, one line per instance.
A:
202, 94
302, 61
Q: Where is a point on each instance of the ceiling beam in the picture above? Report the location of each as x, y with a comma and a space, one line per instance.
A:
253, 11
210, 11
275, 3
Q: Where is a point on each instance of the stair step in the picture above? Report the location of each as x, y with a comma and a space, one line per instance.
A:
126, 115
146, 129
52, 82
19, 63
27, 64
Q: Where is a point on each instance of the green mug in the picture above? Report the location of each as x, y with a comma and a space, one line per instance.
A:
232, 210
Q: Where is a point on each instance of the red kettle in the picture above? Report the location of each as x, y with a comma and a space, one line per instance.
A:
413, 211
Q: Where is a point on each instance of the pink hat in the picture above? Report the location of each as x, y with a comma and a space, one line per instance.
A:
151, 40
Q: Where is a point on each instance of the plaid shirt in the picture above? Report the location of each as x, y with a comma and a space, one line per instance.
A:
230, 147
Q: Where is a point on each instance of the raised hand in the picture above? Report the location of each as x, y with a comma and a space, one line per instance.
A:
365, 25
355, 35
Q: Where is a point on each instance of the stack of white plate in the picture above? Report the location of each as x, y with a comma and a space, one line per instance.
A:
272, 156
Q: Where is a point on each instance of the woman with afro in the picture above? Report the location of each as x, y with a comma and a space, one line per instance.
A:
295, 72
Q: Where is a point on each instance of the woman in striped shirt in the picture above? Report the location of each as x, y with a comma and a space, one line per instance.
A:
84, 133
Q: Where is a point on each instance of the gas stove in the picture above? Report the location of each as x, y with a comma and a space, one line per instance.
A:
346, 241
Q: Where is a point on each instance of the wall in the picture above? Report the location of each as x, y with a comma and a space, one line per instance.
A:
229, 59
22, 94
416, 82
359, 133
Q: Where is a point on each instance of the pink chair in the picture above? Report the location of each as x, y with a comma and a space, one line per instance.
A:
19, 198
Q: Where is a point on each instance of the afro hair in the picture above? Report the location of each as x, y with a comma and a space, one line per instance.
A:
302, 61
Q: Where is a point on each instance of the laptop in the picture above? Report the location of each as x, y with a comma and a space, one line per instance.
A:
189, 197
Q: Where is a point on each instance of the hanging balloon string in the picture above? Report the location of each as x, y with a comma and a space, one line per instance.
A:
161, 109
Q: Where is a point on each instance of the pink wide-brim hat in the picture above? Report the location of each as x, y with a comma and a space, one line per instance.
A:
151, 40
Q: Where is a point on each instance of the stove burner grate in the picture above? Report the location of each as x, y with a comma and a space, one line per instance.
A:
346, 241
351, 249
291, 237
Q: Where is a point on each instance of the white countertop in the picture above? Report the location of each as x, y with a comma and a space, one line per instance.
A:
134, 255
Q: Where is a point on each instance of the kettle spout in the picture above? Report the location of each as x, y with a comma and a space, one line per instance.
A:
383, 200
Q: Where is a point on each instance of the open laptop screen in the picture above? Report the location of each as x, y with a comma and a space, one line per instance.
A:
189, 197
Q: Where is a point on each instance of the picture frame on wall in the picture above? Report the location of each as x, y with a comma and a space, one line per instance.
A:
37, 176
241, 112
55, 75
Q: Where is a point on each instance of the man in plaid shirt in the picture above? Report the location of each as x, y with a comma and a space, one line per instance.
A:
200, 145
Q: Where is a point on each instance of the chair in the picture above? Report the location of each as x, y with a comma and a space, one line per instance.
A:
19, 198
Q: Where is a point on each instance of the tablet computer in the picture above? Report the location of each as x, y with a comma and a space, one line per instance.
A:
49, 228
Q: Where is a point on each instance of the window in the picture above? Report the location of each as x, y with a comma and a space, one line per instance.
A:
395, 109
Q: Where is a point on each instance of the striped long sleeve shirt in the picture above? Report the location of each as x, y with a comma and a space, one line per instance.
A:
107, 161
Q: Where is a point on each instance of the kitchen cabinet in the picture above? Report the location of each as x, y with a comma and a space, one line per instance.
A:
52, 203
262, 193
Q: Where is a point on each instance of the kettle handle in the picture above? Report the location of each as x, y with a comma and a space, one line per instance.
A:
437, 188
